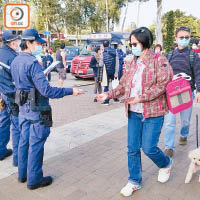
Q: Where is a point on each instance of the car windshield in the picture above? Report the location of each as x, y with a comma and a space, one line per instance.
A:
89, 49
72, 52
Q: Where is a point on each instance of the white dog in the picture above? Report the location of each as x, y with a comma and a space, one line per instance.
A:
194, 165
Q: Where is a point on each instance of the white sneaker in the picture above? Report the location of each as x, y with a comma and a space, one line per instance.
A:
129, 188
164, 173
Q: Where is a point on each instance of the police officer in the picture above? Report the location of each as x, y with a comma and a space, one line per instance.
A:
8, 112
33, 93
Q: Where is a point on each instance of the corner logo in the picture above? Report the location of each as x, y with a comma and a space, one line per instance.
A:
16, 16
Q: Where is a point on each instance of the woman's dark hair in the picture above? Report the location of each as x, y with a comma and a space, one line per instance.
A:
23, 44
144, 36
158, 45
97, 49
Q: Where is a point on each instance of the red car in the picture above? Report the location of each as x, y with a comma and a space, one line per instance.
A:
80, 64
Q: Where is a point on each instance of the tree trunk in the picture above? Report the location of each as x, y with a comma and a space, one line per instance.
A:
125, 14
138, 13
159, 23
107, 18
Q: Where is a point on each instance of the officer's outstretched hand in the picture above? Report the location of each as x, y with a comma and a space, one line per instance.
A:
101, 97
77, 91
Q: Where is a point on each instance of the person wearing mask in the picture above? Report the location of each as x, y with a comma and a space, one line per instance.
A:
62, 66
9, 112
94, 64
158, 49
183, 60
111, 62
195, 48
35, 118
143, 85
121, 56
47, 60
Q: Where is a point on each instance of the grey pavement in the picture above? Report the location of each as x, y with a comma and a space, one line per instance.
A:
86, 155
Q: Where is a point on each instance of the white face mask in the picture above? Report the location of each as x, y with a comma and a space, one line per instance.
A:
157, 50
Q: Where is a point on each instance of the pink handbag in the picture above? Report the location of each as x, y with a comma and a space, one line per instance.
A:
179, 95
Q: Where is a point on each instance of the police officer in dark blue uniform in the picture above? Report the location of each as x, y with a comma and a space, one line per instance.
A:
9, 112
32, 95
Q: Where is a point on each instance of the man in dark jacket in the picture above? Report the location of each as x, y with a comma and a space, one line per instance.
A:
121, 56
111, 64
182, 60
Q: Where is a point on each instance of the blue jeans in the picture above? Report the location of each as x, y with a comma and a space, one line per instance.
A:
170, 127
144, 134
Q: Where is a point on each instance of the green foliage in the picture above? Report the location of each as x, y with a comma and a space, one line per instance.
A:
169, 40
75, 16
2, 3
181, 19
152, 28
56, 44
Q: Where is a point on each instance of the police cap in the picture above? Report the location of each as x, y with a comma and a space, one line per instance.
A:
8, 36
32, 34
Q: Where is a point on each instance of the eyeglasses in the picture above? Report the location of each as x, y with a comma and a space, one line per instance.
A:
186, 37
133, 44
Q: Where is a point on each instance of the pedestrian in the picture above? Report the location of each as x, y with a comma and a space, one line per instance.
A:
111, 64
94, 64
158, 49
62, 66
195, 48
121, 56
143, 87
182, 60
35, 118
8, 113
47, 60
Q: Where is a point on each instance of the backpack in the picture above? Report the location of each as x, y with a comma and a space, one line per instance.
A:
191, 58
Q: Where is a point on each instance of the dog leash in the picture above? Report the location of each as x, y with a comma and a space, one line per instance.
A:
197, 137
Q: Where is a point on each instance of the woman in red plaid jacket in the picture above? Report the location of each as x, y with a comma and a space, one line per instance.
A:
143, 88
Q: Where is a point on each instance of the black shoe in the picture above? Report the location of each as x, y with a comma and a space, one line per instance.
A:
95, 100
23, 180
116, 100
8, 153
45, 182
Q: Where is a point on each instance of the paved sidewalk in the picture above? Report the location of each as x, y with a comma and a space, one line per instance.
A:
97, 170
86, 155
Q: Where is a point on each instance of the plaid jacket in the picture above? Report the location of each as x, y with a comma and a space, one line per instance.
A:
155, 78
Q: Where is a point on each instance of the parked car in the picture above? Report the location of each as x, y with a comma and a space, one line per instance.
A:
80, 64
71, 52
